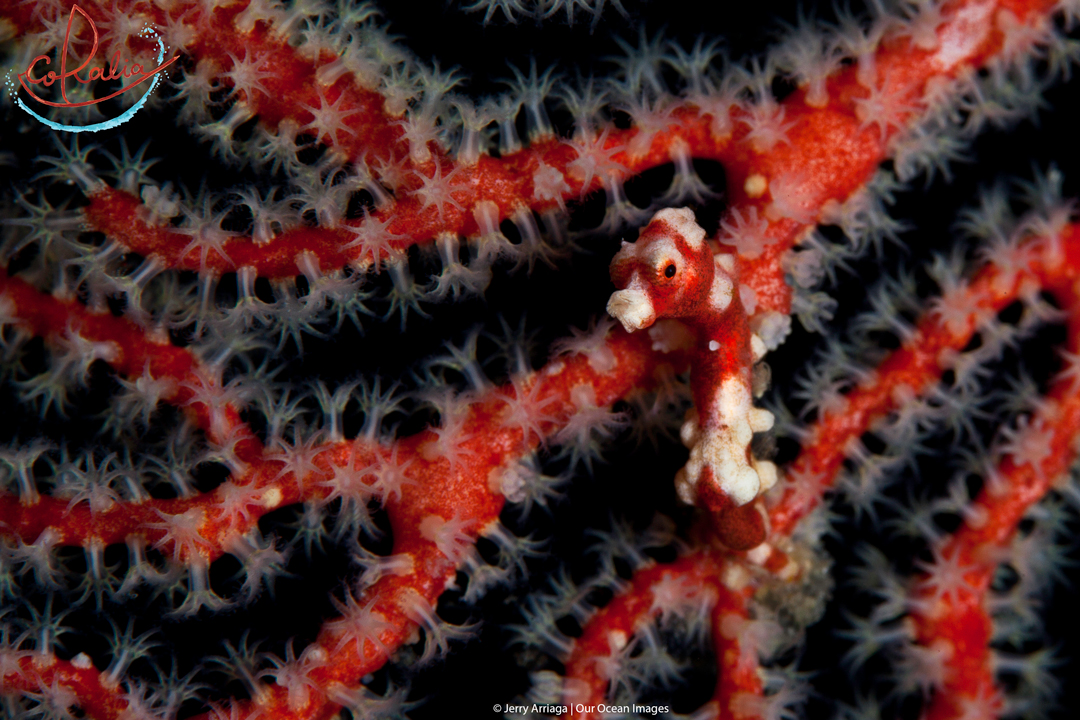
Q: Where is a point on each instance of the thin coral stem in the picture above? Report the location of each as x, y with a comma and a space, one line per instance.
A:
917, 366
132, 349
606, 640
487, 444
37, 673
958, 624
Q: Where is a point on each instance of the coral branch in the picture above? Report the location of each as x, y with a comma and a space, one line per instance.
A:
706, 582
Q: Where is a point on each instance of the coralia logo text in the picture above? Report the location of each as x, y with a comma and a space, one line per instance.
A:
134, 73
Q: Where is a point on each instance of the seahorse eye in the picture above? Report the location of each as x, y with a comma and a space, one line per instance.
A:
669, 271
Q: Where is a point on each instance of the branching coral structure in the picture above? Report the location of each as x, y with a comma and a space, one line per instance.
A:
728, 370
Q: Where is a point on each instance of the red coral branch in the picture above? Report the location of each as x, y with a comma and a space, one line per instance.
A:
829, 150
704, 580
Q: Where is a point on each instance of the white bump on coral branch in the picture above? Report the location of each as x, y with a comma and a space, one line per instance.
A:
756, 185
271, 498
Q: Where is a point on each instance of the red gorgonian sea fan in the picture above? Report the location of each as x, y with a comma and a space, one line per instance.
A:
312, 405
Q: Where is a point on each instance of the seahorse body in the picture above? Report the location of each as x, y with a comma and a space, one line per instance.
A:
671, 272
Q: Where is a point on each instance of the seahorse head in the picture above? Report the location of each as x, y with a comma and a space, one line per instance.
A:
668, 272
